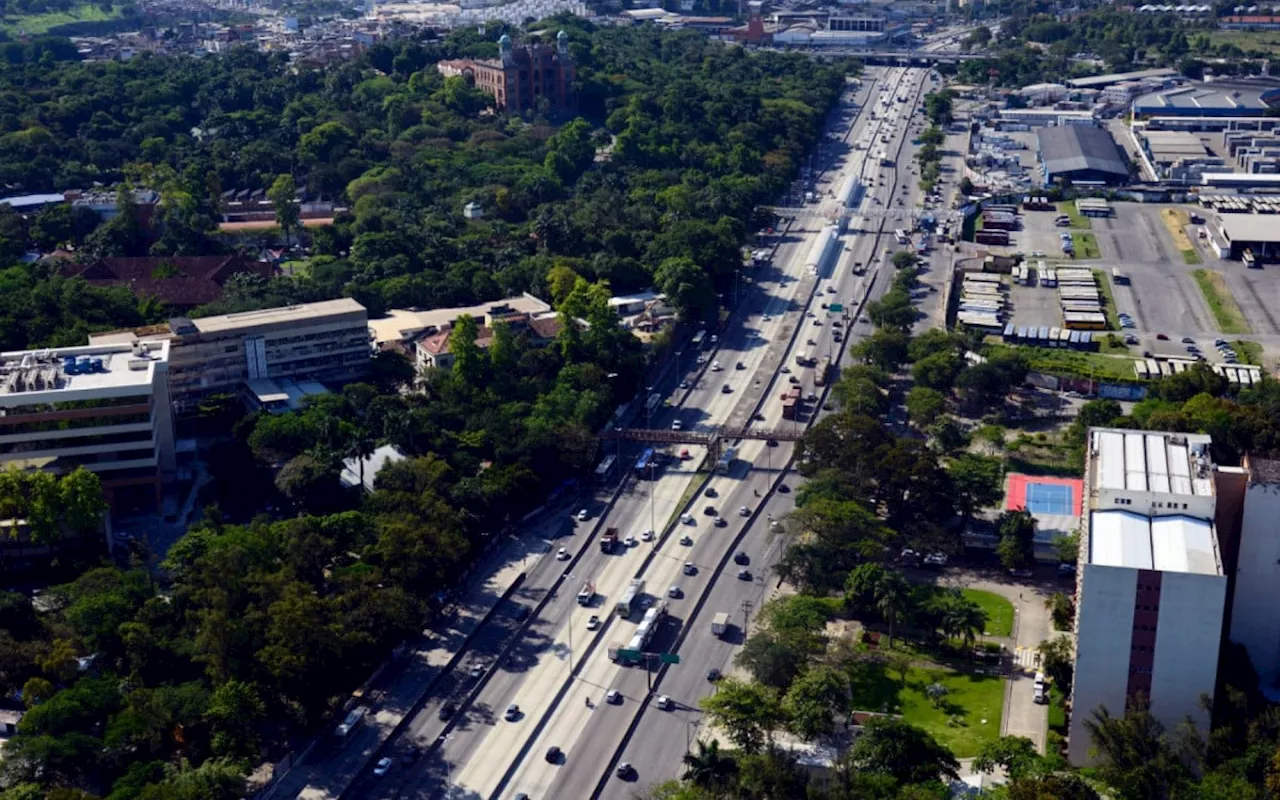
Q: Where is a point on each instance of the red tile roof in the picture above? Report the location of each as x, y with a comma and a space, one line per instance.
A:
178, 280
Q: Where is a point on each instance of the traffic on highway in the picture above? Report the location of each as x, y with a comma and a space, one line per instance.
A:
586, 681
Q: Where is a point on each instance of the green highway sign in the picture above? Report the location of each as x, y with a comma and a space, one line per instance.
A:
669, 658
631, 654
836, 307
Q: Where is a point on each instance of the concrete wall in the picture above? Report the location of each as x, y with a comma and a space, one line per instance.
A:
1255, 622
1104, 634
1188, 637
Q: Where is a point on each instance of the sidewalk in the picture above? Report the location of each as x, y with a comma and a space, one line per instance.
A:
493, 579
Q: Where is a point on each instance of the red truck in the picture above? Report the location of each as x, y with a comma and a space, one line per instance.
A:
609, 540
788, 407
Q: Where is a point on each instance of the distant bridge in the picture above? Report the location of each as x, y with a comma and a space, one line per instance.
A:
906, 58
712, 440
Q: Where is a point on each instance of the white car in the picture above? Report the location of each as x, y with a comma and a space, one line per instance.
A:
673, 591
715, 366
647, 536
382, 767
687, 519
593, 623
630, 541
689, 568
677, 425
744, 511
562, 554
583, 515
664, 703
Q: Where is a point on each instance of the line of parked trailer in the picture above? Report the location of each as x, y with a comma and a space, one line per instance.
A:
1237, 374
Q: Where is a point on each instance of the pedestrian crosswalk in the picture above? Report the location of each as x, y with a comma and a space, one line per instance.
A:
1026, 658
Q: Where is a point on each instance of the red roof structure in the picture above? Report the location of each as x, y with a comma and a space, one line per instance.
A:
181, 281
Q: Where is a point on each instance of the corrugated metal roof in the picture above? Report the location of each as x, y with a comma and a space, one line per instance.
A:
1069, 148
1135, 462
1183, 544
1120, 539
1157, 464
1110, 448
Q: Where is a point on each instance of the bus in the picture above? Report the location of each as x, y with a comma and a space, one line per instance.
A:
1119, 278
604, 470
726, 460
1249, 259
698, 339
644, 462
902, 235
342, 734
630, 600
647, 627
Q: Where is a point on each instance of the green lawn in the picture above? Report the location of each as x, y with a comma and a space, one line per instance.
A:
1057, 710
1221, 304
1078, 220
1249, 352
1190, 257
1056, 361
39, 23
968, 716
999, 611
1086, 246
1265, 41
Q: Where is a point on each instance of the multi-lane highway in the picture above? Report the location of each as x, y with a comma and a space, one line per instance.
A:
556, 670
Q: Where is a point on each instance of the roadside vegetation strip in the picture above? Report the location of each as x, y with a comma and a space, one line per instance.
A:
999, 611
1190, 257
1249, 352
1226, 311
1078, 220
1108, 298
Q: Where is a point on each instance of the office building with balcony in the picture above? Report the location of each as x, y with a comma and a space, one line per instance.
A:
1151, 587
105, 408
263, 356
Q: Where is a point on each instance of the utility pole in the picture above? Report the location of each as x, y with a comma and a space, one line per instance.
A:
746, 607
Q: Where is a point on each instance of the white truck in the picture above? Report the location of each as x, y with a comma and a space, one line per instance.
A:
720, 623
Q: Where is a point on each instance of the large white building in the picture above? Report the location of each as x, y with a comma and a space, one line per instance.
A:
260, 354
1255, 619
1151, 588
105, 408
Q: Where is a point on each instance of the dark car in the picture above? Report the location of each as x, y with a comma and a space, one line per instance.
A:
553, 755
447, 711
713, 675
741, 557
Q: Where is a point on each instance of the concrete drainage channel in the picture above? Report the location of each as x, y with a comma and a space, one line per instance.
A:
703, 597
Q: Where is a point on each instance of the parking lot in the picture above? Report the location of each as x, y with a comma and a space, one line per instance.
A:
1034, 305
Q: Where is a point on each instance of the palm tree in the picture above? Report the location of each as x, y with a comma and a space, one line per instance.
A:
963, 618
893, 596
360, 447
709, 768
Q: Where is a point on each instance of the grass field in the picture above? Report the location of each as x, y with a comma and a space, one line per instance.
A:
999, 611
1108, 298
1077, 363
1086, 246
1176, 221
39, 23
1221, 304
968, 716
1249, 352
1078, 220
1266, 41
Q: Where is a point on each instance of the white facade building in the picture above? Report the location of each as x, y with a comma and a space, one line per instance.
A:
1255, 622
1151, 588
104, 408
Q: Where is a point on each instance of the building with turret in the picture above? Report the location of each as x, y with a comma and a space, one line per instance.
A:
522, 76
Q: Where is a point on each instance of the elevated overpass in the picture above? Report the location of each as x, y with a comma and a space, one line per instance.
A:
894, 58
